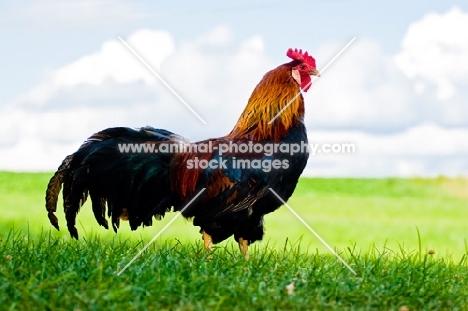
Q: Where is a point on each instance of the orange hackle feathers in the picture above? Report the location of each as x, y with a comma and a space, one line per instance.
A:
273, 108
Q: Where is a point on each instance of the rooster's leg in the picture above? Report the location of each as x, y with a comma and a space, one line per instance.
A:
244, 248
207, 241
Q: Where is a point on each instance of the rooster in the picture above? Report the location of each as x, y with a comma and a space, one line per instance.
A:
231, 198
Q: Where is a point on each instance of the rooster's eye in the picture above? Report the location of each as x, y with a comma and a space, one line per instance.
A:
302, 67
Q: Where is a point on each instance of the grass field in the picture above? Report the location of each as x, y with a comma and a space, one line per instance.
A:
384, 228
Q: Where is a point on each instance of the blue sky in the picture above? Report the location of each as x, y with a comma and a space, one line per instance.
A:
399, 92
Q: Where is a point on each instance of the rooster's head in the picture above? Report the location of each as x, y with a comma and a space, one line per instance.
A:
303, 67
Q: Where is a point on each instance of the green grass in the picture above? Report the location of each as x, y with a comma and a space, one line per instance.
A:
47, 272
384, 228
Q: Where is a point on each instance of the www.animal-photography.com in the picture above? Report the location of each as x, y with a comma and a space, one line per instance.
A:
269, 155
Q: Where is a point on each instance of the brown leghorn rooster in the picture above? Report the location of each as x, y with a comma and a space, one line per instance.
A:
136, 186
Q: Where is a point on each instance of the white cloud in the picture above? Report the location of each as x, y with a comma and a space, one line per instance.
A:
113, 62
420, 140
421, 150
425, 82
435, 49
362, 89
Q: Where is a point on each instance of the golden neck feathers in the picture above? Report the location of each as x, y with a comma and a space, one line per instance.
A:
275, 106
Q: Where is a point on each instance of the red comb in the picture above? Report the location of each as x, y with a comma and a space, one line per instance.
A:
298, 55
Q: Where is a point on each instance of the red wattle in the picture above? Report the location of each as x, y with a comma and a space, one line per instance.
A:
306, 82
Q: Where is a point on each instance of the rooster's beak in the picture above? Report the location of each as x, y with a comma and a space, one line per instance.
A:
314, 72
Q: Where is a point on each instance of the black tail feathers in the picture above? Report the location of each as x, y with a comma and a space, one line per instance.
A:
132, 186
